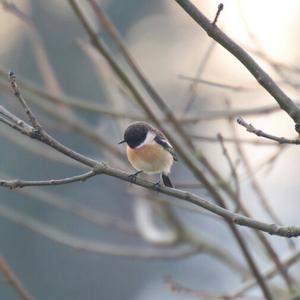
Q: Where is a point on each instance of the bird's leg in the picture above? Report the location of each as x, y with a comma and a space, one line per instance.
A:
133, 176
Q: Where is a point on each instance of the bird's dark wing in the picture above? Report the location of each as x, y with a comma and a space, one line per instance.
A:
162, 140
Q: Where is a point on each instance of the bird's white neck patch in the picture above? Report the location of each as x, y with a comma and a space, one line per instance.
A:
148, 140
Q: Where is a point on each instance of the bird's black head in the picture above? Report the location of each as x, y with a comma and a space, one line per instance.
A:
135, 134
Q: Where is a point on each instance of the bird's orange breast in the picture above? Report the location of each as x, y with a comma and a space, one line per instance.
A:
150, 158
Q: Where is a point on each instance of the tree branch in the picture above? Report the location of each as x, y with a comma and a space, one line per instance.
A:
258, 132
103, 168
259, 74
17, 183
13, 280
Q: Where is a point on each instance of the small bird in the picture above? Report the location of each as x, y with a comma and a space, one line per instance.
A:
149, 151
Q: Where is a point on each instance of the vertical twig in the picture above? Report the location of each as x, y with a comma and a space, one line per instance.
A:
33, 120
233, 172
13, 280
220, 8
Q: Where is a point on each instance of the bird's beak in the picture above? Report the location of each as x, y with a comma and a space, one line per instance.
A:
121, 142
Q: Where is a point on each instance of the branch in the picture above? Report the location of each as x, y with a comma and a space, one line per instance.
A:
13, 280
214, 139
220, 8
233, 170
17, 183
33, 120
273, 229
234, 88
103, 168
259, 74
258, 132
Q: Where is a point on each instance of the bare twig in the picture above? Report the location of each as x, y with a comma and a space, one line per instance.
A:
220, 8
214, 139
235, 88
13, 280
14, 122
33, 120
260, 133
192, 95
17, 183
233, 172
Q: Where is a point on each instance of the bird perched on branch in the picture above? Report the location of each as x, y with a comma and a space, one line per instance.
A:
149, 151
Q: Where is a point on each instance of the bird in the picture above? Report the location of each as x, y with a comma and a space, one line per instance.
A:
149, 151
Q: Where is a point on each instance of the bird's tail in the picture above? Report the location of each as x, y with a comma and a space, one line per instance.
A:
166, 180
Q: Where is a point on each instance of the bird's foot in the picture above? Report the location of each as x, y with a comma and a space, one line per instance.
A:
157, 185
133, 176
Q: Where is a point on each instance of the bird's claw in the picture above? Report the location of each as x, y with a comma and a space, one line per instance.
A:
133, 176
156, 186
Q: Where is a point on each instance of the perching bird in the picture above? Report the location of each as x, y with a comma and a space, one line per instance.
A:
149, 151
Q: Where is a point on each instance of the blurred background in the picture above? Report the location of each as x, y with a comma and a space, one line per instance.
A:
44, 43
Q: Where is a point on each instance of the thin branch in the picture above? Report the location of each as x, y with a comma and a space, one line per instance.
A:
14, 122
17, 183
234, 88
192, 91
14, 126
259, 74
260, 133
220, 8
214, 139
233, 172
13, 280
33, 120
